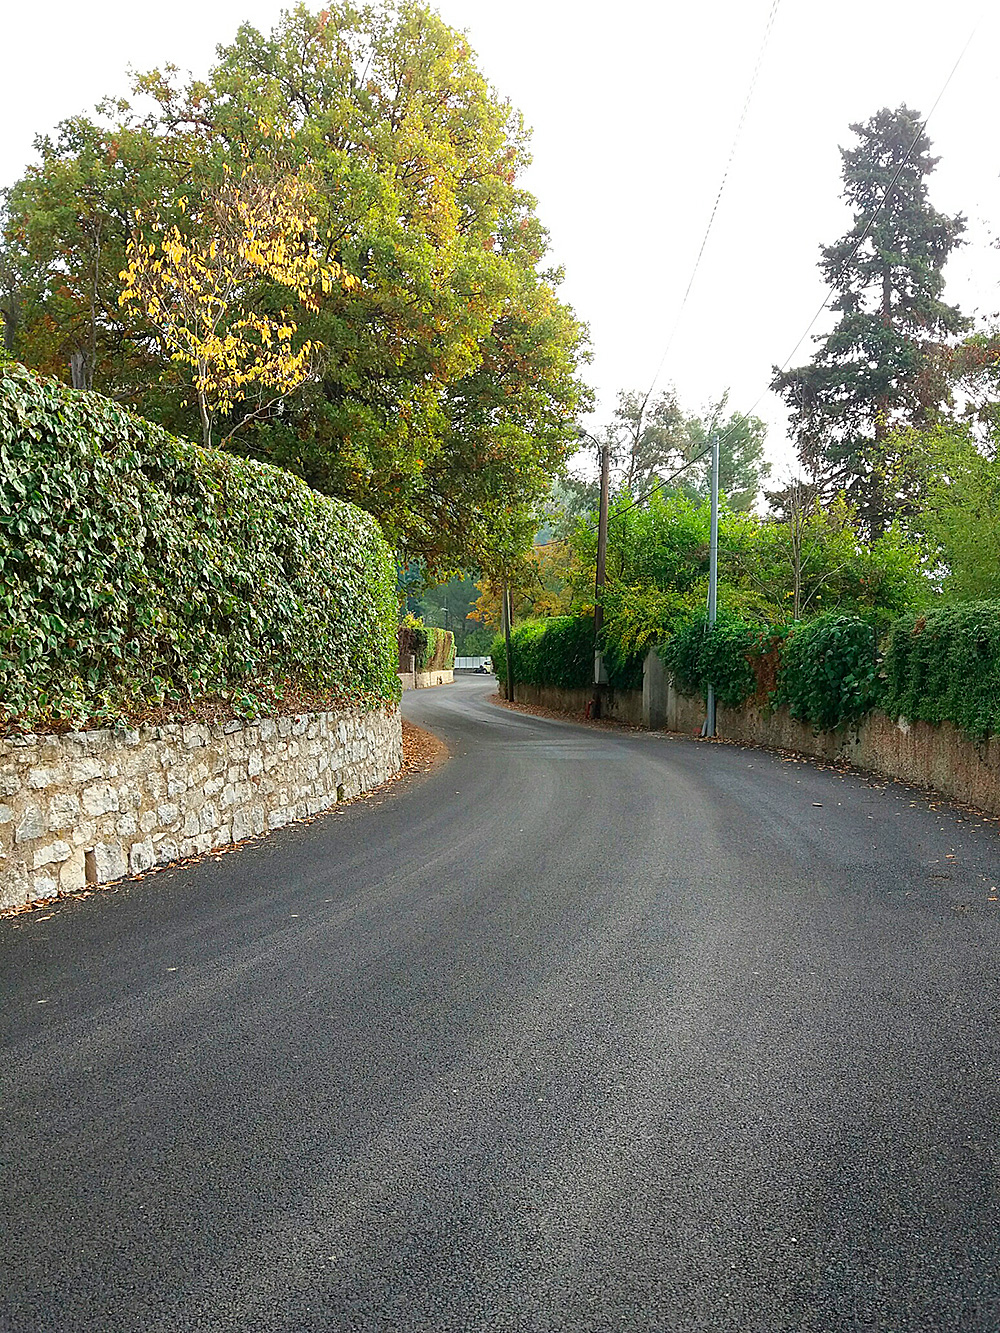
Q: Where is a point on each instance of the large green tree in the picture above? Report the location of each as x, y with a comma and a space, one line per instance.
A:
878, 369
448, 386
743, 467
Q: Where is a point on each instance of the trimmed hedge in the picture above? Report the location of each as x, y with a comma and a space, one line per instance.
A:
432, 649
829, 670
698, 656
139, 569
558, 653
944, 665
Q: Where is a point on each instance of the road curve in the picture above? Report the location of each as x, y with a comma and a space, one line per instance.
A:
586, 1030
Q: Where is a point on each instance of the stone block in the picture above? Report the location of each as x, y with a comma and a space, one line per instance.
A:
44, 886
64, 811
242, 825
86, 770
52, 854
148, 821
100, 799
194, 736
208, 818
31, 825
6, 814
15, 888
168, 813
105, 861
141, 857
255, 764
73, 873
40, 778
277, 819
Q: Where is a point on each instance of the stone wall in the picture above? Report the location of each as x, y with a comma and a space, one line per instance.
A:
618, 705
422, 680
88, 807
938, 756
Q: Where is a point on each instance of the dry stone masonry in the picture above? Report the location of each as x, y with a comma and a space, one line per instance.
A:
88, 807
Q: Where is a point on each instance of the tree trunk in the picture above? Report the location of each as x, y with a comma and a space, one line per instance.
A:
206, 420
78, 369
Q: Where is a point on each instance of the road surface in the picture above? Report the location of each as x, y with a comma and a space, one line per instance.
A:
587, 1030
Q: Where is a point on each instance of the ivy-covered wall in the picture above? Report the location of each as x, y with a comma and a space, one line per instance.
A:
137, 569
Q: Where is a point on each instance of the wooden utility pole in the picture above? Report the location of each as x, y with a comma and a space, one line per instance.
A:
602, 555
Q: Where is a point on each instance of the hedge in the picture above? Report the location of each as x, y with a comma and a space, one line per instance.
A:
698, 656
940, 665
139, 569
558, 653
432, 649
828, 670
944, 665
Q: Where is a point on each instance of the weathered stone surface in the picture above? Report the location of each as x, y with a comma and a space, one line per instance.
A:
31, 825
53, 854
105, 862
100, 799
64, 811
88, 807
141, 857
72, 873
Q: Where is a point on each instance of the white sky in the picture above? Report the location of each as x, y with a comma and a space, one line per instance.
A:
633, 108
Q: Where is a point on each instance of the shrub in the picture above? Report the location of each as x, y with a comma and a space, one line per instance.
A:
829, 670
944, 665
699, 657
558, 652
139, 569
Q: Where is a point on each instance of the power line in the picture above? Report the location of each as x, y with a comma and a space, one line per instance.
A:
833, 285
718, 197
881, 204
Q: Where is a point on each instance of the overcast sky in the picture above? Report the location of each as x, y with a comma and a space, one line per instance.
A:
633, 108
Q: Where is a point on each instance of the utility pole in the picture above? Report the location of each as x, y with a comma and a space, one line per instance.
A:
713, 573
600, 675
507, 614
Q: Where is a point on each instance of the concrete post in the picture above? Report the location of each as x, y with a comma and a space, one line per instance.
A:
654, 692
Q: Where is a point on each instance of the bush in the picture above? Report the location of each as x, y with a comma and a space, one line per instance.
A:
944, 665
432, 649
139, 569
558, 652
699, 657
829, 670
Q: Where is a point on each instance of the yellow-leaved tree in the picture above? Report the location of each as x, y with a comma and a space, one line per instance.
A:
208, 293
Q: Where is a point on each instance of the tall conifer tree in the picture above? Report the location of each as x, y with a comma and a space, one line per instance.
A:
877, 369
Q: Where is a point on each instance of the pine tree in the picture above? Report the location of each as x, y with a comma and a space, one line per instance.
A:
877, 370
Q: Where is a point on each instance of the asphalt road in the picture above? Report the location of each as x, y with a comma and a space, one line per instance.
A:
585, 1030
